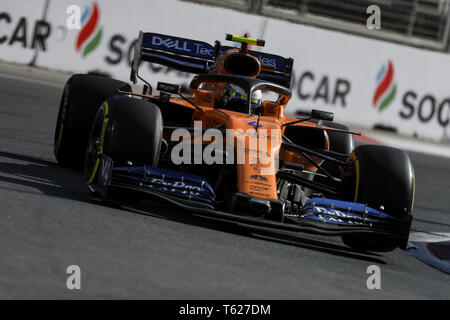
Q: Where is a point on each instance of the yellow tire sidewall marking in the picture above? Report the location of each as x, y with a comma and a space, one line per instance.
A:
100, 147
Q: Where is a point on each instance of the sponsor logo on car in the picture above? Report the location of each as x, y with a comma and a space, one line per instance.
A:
258, 177
254, 124
171, 43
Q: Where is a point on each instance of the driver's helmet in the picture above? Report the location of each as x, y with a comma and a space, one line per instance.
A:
235, 96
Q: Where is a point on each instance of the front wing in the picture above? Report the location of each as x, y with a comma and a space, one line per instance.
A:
319, 215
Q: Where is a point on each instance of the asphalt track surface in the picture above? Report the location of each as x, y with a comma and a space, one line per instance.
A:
48, 221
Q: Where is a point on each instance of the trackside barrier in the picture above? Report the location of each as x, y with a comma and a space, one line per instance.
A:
365, 82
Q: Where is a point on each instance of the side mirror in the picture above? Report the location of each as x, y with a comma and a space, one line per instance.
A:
168, 87
322, 115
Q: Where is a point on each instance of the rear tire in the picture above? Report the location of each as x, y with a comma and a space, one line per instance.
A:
81, 98
127, 130
339, 142
381, 176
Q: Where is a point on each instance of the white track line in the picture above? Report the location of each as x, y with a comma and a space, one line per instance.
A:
421, 251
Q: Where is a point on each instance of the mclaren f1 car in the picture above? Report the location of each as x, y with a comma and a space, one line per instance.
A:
223, 147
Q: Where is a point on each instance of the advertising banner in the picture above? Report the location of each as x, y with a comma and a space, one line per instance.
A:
368, 82
365, 82
22, 30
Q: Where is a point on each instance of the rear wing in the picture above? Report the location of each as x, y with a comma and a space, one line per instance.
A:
197, 57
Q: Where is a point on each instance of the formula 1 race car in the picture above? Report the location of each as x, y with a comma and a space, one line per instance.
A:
224, 148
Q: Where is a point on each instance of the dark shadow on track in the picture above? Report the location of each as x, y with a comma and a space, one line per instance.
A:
157, 209
42, 175
56, 181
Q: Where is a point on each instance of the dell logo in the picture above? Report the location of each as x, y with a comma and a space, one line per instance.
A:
170, 43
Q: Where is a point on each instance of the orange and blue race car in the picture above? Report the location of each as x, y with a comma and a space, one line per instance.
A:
225, 148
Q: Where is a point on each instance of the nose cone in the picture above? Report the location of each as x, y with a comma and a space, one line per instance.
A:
257, 146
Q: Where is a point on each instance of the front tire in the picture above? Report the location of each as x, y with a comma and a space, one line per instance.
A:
127, 130
381, 176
